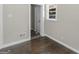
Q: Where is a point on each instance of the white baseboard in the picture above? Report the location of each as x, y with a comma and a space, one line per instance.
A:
73, 49
14, 43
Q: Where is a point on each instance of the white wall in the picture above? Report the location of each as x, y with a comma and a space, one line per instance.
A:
15, 22
1, 25
66, 28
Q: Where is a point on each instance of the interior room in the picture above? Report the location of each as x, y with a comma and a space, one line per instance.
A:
39, 28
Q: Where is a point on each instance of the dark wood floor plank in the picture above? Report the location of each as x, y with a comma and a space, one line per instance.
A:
40, 45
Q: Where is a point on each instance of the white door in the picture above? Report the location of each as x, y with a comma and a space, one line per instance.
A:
37, 18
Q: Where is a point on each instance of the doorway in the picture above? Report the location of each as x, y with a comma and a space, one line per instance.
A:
35, 20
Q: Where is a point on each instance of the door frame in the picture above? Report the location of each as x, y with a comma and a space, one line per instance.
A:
41, 19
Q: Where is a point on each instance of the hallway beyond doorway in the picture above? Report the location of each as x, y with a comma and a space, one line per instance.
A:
34, 34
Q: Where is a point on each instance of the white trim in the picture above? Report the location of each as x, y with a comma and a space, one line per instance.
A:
29, 21
73, 49
14, 43
42, 20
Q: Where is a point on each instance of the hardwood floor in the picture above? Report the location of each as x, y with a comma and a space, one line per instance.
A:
40, 45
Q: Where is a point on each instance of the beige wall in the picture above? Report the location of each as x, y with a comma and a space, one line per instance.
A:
1, 25
66, 28
15, 22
